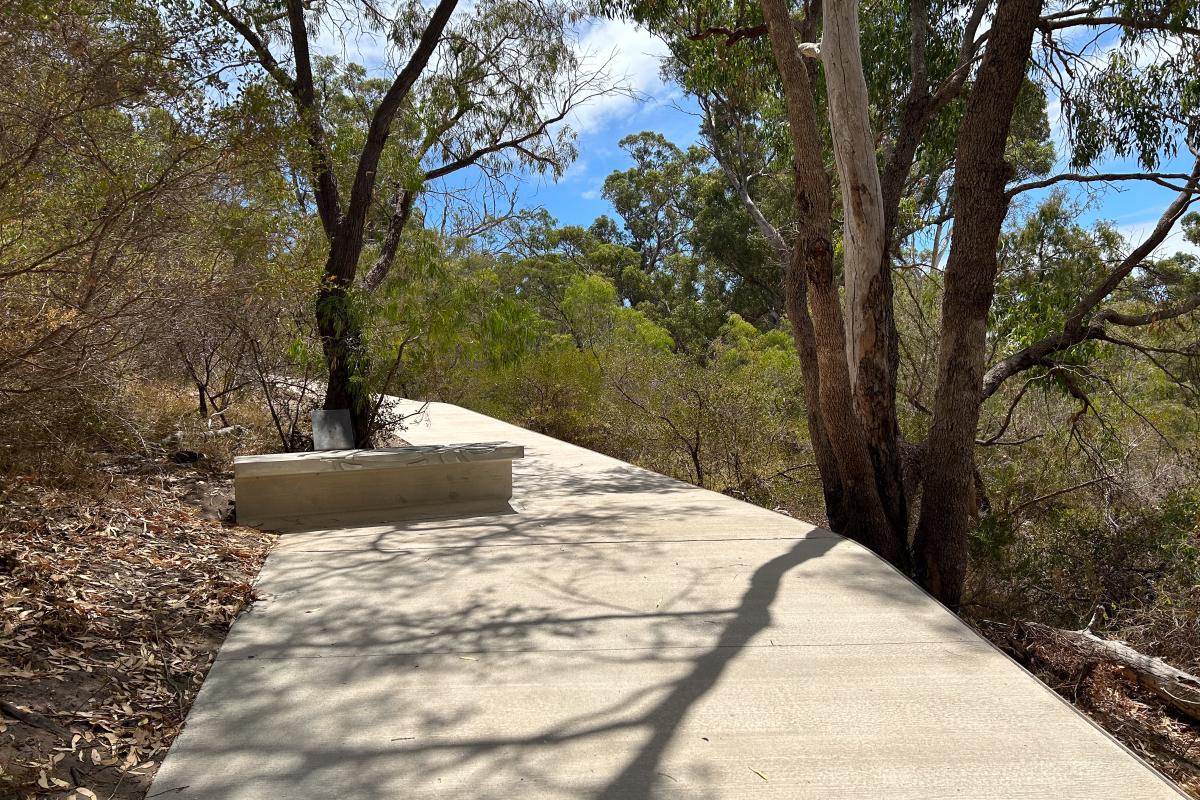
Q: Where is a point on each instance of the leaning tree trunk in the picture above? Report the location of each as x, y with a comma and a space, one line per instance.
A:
980, 205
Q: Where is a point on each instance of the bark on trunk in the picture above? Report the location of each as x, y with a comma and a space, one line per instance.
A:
812, 262
795, 294
862, 201
796, 298
391, 241
980, 204
342, 343
871, 348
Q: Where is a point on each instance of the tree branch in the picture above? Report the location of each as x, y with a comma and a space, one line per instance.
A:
1074, 329
391, 240
1058, 493
325, 177
732, 35
1055, 22
1161, 178
350, 229
261, 51
514, 143
1138, 320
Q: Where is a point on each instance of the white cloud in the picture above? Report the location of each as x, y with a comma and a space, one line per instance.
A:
631, 56
1136, 232
351, 42
577, 171
590, 194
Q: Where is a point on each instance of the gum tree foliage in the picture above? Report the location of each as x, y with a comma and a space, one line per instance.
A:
697, 256
653, 197
689, 287
485, 90
898, 118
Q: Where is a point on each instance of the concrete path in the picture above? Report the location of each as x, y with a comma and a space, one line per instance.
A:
620, 635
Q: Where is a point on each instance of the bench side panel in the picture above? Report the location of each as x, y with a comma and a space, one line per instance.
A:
283, 501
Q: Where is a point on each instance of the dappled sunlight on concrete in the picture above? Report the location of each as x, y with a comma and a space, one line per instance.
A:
616, 634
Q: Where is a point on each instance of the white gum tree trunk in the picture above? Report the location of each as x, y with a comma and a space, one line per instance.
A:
858, 174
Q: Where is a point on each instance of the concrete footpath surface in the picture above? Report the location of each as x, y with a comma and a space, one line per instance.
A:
617, 635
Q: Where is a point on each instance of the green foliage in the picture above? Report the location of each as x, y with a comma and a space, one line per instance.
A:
1141, 102
1047, 264
1030, 150
1135, 554
652, 196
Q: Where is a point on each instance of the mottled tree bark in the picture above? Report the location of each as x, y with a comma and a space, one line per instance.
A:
980, 204
812, 262
871, 346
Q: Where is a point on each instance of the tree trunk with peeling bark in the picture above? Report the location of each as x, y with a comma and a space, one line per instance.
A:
850, 359
865, 517
871, 346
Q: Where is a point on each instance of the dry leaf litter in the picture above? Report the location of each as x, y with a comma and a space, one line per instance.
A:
112, 606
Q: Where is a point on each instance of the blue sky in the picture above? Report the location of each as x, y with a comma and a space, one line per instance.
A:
634, 55
1132, 206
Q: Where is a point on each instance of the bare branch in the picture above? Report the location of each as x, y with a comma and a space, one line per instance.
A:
1161, 178
1059, 493
994, 438
1055, 22
1137, 320
260, 48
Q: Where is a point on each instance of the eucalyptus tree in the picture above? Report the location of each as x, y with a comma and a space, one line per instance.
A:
698, 255
488, 88
943, 85
652, 196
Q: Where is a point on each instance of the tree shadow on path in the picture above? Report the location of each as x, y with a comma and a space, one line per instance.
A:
753, 616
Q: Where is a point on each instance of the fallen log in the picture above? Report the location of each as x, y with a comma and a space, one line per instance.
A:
1179, 689
215, 433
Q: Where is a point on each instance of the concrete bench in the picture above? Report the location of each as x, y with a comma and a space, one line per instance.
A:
290, 491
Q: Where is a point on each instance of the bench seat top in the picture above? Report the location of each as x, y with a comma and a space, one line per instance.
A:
382, 458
